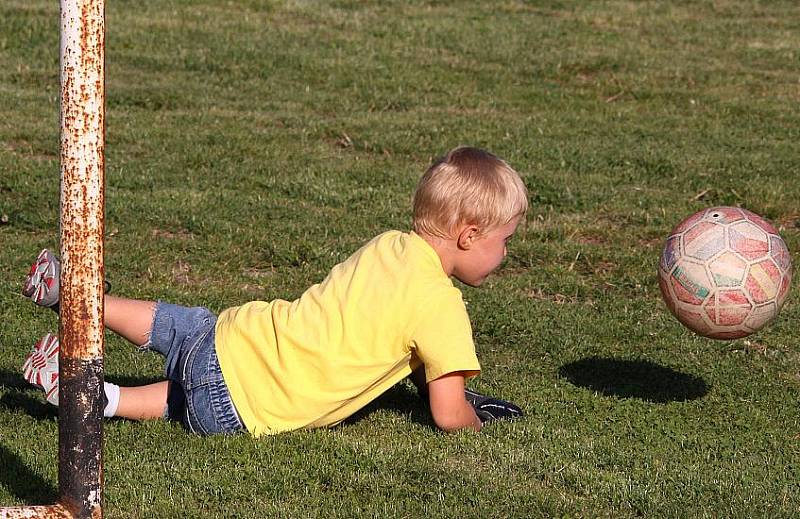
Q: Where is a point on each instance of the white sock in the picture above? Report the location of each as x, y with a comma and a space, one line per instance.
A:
112, 395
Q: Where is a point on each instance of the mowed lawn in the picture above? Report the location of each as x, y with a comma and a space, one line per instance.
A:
252, 145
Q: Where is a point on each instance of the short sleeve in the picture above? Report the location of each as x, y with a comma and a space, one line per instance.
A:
442, 338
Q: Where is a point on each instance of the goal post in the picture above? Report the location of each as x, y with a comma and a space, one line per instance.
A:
80, 428
80, 434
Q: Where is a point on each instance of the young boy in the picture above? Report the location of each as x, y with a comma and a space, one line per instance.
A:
388, 312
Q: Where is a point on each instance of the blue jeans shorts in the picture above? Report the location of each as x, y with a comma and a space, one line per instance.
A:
198, 396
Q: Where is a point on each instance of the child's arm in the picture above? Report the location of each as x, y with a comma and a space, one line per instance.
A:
486, 408
449, 407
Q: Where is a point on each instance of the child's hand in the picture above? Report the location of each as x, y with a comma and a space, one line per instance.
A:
488, 408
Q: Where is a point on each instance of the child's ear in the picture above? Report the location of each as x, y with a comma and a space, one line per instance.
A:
467, 236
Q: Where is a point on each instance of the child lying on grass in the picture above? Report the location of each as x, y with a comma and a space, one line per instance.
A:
388, 312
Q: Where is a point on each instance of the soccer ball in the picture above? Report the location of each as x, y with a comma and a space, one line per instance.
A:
724, 272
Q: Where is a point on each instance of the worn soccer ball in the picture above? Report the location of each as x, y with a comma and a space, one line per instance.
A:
725, 272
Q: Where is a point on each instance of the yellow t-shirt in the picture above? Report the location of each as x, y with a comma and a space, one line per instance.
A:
315, 361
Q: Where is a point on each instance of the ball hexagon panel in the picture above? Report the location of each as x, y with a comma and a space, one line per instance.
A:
761, 315
728, 308
671, 253
749, 240
763, 281
753, 217
704, 240
693, 318
732, 307
780, 253
690, 282
728, 270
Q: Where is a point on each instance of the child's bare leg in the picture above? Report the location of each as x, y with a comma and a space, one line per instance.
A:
143, 402
129, 318
137, 403
133, 319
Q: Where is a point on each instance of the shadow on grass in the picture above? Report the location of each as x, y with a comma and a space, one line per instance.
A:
401, 399
13, 380
23, 396
25, 484
34, 407
634, 379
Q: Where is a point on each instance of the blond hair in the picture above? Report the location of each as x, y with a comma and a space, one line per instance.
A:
468, 186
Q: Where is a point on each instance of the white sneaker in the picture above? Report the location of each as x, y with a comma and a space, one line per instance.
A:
41, 367
41, 285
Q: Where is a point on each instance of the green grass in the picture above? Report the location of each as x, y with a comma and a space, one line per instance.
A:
252, 145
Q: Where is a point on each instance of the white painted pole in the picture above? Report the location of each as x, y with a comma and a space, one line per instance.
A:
80, 432
80, 436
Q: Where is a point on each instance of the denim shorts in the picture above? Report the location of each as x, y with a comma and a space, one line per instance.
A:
198, 396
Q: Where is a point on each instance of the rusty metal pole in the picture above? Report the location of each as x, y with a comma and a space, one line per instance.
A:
80, 430
36, 512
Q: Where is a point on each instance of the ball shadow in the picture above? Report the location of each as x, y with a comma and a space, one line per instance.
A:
634, 379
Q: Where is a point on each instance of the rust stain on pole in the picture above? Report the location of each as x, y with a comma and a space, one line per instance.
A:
80, 473
80, 432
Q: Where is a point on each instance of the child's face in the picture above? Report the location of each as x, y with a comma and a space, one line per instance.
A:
485, 254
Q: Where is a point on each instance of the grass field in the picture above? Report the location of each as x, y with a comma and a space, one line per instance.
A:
251, 145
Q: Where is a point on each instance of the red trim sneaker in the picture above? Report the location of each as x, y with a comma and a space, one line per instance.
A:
41, 367
41, 285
